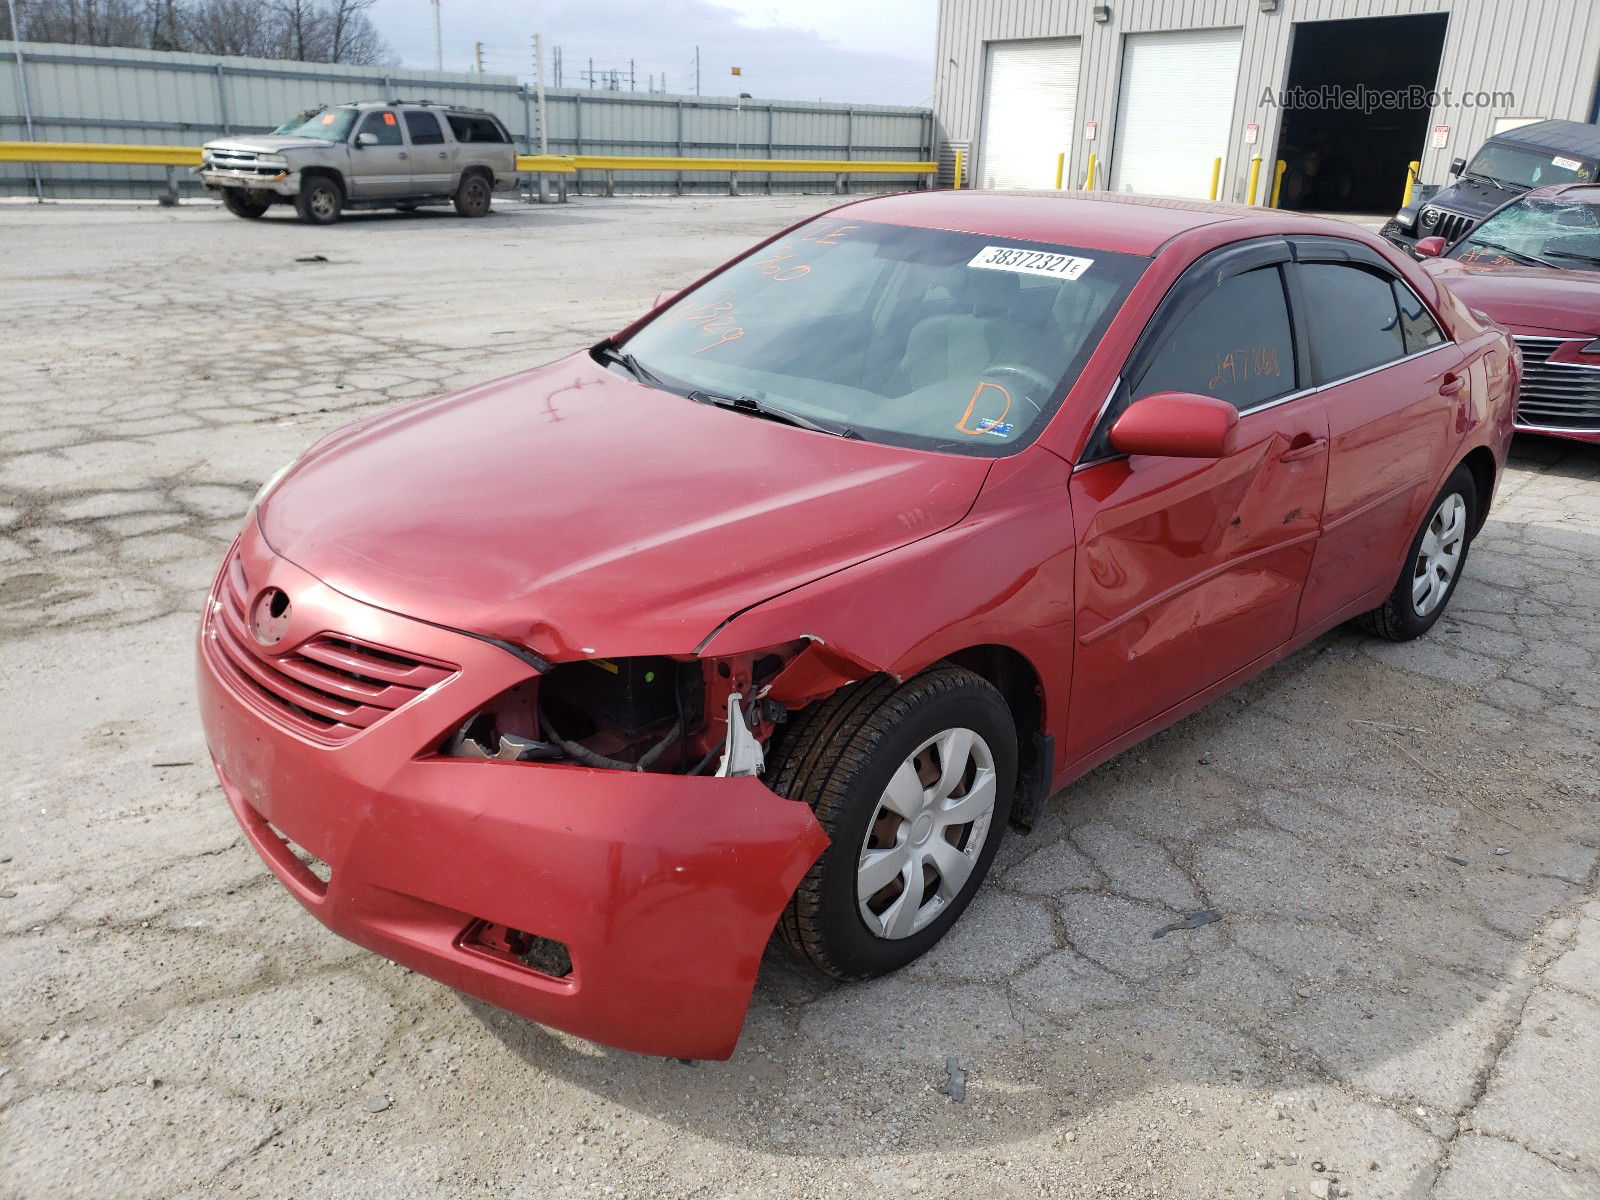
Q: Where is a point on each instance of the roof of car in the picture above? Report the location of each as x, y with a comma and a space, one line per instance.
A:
1579, 193
1116, 222
1578, 137
463, 108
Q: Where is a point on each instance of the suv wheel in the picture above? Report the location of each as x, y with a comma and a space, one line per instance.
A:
913, 785
320, 201
472, 197
243, 203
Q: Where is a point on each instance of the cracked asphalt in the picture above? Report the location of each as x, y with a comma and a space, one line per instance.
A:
1400, 996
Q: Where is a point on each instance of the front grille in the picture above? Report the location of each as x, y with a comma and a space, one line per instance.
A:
1556, 395
1440, 222
329, 687
242, 160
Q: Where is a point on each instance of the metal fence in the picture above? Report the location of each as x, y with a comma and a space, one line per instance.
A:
92, 94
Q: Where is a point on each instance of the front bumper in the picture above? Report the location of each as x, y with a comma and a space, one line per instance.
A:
285, 183
664, 889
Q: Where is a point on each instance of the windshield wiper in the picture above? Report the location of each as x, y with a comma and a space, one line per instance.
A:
632, 365
1508, 250
748, 404
1589, 258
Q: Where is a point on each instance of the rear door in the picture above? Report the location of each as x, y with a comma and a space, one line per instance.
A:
382, 170
1392, 384
1189, 570
432, 170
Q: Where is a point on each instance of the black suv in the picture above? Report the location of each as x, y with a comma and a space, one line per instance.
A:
1505, 166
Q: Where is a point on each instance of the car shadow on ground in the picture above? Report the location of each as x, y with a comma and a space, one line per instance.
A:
1381, 839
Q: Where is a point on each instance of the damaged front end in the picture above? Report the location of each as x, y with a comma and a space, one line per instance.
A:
663, 714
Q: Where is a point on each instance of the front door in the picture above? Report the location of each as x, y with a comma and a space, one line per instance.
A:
380, 170
1191, 569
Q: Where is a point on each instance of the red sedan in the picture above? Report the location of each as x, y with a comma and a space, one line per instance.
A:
1534, 266
779, 607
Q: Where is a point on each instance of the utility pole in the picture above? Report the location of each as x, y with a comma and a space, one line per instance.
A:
556, 51
477, 54
438, 40
590, 75
544, 137
696, 67
631, 86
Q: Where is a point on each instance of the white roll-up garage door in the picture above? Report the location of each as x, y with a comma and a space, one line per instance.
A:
1173, 114
1030, 97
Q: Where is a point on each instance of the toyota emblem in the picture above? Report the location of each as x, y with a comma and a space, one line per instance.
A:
269, 616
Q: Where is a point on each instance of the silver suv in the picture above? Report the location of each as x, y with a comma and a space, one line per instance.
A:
370, 154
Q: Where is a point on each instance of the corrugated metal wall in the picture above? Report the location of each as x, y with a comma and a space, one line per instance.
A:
89, 94
1545, 51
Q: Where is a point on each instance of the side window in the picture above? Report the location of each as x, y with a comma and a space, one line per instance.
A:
475, 129
1234, 344
424, 129
1417, 325
1351, 318
384, 127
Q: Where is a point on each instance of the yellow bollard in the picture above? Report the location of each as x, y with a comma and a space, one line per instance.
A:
1061, 166
1277, 180
1216, 176
960, 156
1088, 183
1255, 177
1413, 168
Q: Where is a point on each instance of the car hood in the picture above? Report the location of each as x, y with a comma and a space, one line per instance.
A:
575, 512
269, 144
1473, 196
1529, 299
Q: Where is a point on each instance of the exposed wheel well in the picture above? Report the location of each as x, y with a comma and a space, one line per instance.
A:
325, 173
478, 170
1481, 463
1016, 680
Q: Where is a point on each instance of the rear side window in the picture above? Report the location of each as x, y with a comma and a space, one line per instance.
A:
1234, 344
385, 127
476, 129
424, 129
1417, 325
1352, 319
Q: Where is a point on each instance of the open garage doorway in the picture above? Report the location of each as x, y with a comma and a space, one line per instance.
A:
1351, 157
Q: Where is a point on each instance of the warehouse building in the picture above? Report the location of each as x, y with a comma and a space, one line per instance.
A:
1165, 95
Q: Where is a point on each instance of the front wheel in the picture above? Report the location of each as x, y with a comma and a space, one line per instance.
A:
244, 203
473, 196
913, 784
1433, 566
320, 201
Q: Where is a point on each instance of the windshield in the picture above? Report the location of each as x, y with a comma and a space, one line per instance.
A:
325, 124
1552, 233
1528, 168
917, 337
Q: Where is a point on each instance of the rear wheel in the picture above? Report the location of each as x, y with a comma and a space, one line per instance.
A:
243, 202
1433, 566
473, 195
320, 201
913, 784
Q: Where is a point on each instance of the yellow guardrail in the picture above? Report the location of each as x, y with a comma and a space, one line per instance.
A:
537, 164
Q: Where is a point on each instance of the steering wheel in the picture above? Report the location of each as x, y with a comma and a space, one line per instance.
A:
1027, 375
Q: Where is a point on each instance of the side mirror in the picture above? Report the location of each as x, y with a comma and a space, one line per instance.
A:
1457, 165
1177, 425
363, 140
666, 297
1430, 247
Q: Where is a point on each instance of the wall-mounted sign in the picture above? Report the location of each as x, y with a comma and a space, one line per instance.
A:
1252, 132
1090, 128
1441, 136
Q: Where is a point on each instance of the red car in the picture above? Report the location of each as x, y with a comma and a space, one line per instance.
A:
1534, 266
777, 608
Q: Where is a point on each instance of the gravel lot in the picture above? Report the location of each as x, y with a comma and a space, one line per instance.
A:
1401, 998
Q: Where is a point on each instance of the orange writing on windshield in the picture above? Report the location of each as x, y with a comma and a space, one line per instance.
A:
830, 238
715, 317
985, 424
774, 266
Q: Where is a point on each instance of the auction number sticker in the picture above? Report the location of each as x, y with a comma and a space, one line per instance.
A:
1030, 262
1567, 164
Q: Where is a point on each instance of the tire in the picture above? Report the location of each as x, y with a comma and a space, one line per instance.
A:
320, 202
1413, 606
473, 195
840, 756
240, 203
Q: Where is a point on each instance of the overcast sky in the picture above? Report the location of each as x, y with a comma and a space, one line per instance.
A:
866, 51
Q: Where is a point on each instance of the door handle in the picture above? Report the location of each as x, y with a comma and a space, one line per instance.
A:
402, 154
1302, 448
444, 154
1451, 384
